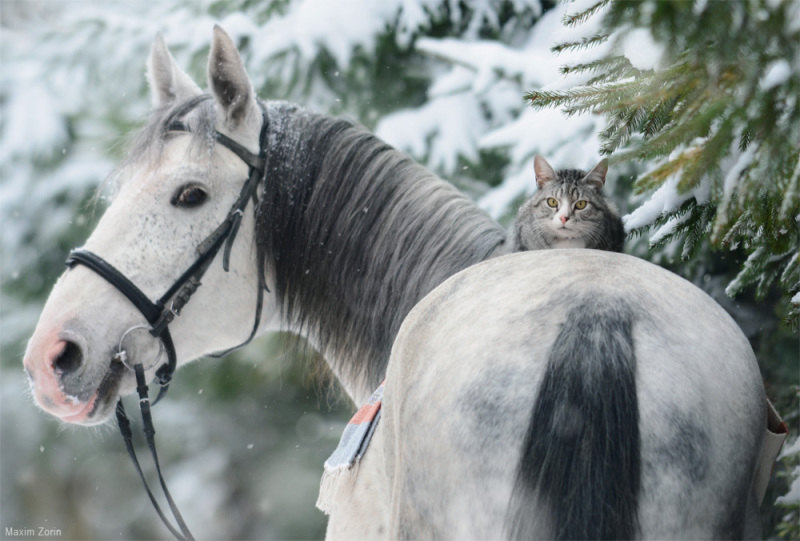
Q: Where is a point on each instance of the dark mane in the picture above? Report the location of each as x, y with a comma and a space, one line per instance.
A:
357, 233
353, 232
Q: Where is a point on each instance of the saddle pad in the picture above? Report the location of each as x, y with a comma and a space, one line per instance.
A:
352, 446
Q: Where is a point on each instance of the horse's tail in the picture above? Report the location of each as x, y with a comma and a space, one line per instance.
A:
581, 462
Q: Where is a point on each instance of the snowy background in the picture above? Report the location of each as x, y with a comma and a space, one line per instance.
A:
441, 79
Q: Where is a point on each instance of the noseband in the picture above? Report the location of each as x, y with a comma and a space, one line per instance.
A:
160, 313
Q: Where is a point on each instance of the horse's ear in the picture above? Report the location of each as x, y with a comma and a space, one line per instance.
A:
597, 176
544, 173
228, 79
168, 83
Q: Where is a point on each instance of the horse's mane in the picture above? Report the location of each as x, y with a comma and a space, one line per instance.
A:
353, 232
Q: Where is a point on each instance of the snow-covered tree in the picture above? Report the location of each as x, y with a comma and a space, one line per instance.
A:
703, 97
444, 80
706, 94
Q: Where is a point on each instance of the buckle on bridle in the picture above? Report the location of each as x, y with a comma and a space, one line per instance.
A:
168, 314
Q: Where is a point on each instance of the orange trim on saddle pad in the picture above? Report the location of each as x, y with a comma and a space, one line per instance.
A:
341, 468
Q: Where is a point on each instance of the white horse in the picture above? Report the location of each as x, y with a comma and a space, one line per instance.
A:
552, 394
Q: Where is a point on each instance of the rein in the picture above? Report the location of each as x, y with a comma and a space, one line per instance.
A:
162, 312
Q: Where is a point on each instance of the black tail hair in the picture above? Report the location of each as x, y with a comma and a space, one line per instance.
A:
581, 462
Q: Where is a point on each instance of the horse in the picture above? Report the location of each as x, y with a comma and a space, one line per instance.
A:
554, 394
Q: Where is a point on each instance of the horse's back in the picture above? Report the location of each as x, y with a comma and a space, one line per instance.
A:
466, 371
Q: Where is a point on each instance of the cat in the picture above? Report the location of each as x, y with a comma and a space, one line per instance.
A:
569, 210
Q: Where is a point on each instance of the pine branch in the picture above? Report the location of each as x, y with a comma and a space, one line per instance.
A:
581, 44
606, 70
620, 128
790, 278
582, 16
791, 201
656, 177
695, 232
729, 81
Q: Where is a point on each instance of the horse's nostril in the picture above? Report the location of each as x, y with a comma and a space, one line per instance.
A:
69, 359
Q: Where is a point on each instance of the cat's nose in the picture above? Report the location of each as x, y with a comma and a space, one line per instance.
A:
564, 219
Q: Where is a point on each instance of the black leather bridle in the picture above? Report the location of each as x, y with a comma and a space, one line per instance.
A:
162, 312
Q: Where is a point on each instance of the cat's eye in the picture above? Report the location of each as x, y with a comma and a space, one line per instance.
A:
189, 196
580, 204
552, 202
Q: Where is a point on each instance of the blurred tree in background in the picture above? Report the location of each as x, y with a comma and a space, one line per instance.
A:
706, 161
713, 107
705, 95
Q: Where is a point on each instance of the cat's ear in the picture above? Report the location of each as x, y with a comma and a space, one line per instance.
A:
544, 173
597, 176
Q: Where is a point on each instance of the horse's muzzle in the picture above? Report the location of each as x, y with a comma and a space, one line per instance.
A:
63, 385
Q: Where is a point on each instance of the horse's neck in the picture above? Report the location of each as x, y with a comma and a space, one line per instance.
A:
356, 234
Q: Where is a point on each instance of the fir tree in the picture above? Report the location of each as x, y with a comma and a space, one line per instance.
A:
715, 115
707, 100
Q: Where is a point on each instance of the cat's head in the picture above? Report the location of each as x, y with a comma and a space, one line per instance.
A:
568, 210
594, 179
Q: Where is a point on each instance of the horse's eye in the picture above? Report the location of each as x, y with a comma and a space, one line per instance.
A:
189, 196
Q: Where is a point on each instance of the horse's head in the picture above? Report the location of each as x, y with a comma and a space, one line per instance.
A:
174, 190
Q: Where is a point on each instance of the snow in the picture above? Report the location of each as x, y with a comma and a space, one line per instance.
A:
640, 49
33, 125
793, 496
316, 24
742, 162
777, 73
497, 201
456, 80
489, 60
792, 14
699, 6
451, 124
664, 200
792, 449
491, 77
482, 75
736, 164
72, 84
668, 228
756, 257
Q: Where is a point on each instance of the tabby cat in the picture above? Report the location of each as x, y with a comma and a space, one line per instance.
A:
569, 210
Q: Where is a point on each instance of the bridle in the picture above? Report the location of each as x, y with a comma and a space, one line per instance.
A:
162, 312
